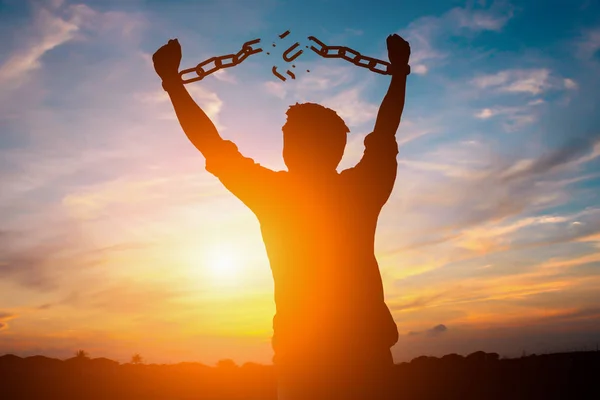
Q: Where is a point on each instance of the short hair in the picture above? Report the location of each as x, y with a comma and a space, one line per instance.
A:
311, 115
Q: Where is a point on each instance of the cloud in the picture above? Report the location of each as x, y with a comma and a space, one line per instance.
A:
349, 105
55, 24
354, 32
320, 82
536, 335
420, 69
5, 315
503, 296
421, 34
48, 32
424, 33
417, 303
532, 81
55, 4
339, 88
492, 80
486, 113
137, 197
79, 34
570, 84
512, 112
28, 266
527, 232
277, 89
573, 152
515, 117
225, 76
412, 130
158, 99
43, 260
455, 206
480, 20
572, 261
127, 297
435, 331
210, 103
4, 318
573, 315
589, 44
535, 102
324, 79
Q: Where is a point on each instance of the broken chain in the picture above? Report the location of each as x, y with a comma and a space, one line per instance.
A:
346, 53
351, 55
225, 61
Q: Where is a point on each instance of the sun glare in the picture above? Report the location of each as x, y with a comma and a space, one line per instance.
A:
223, 262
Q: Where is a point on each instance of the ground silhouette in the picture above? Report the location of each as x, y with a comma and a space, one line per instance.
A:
318, 227
478, 376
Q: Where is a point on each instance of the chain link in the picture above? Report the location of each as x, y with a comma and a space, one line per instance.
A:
348, 54
221, 62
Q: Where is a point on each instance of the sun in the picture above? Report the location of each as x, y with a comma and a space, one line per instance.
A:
222, 261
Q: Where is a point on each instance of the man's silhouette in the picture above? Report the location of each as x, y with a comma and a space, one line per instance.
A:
332, 329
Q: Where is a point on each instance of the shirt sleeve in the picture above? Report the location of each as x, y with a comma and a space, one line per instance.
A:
376, 171
247, 180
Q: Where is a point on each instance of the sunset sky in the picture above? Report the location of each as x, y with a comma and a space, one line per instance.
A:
115, 239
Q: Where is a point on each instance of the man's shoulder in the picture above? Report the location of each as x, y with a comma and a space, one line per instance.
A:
273, 178
348, 173
279, 174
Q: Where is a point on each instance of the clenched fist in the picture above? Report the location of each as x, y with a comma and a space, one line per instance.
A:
398, 51
166, 60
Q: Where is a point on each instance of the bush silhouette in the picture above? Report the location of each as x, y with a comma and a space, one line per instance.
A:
82, 354
137, 359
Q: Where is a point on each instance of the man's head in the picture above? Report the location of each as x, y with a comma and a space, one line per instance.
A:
314, 138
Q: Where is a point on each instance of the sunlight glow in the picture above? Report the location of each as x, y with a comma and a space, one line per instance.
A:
223, 262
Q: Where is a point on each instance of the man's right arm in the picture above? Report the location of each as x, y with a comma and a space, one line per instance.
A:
197, 126
246, 179
193, 120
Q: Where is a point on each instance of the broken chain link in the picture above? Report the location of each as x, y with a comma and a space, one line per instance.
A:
225, 61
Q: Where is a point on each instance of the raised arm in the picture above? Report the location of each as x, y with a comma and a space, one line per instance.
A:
390, 111
195, 123
378, 167
247, 180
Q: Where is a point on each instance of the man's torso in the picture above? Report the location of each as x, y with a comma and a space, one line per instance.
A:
319, 236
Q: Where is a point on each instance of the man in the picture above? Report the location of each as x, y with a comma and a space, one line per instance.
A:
332, 329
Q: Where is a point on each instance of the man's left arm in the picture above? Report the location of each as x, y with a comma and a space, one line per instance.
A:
390, 111
392, 106
378, 165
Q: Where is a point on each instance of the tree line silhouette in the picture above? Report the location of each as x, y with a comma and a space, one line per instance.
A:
479, 375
